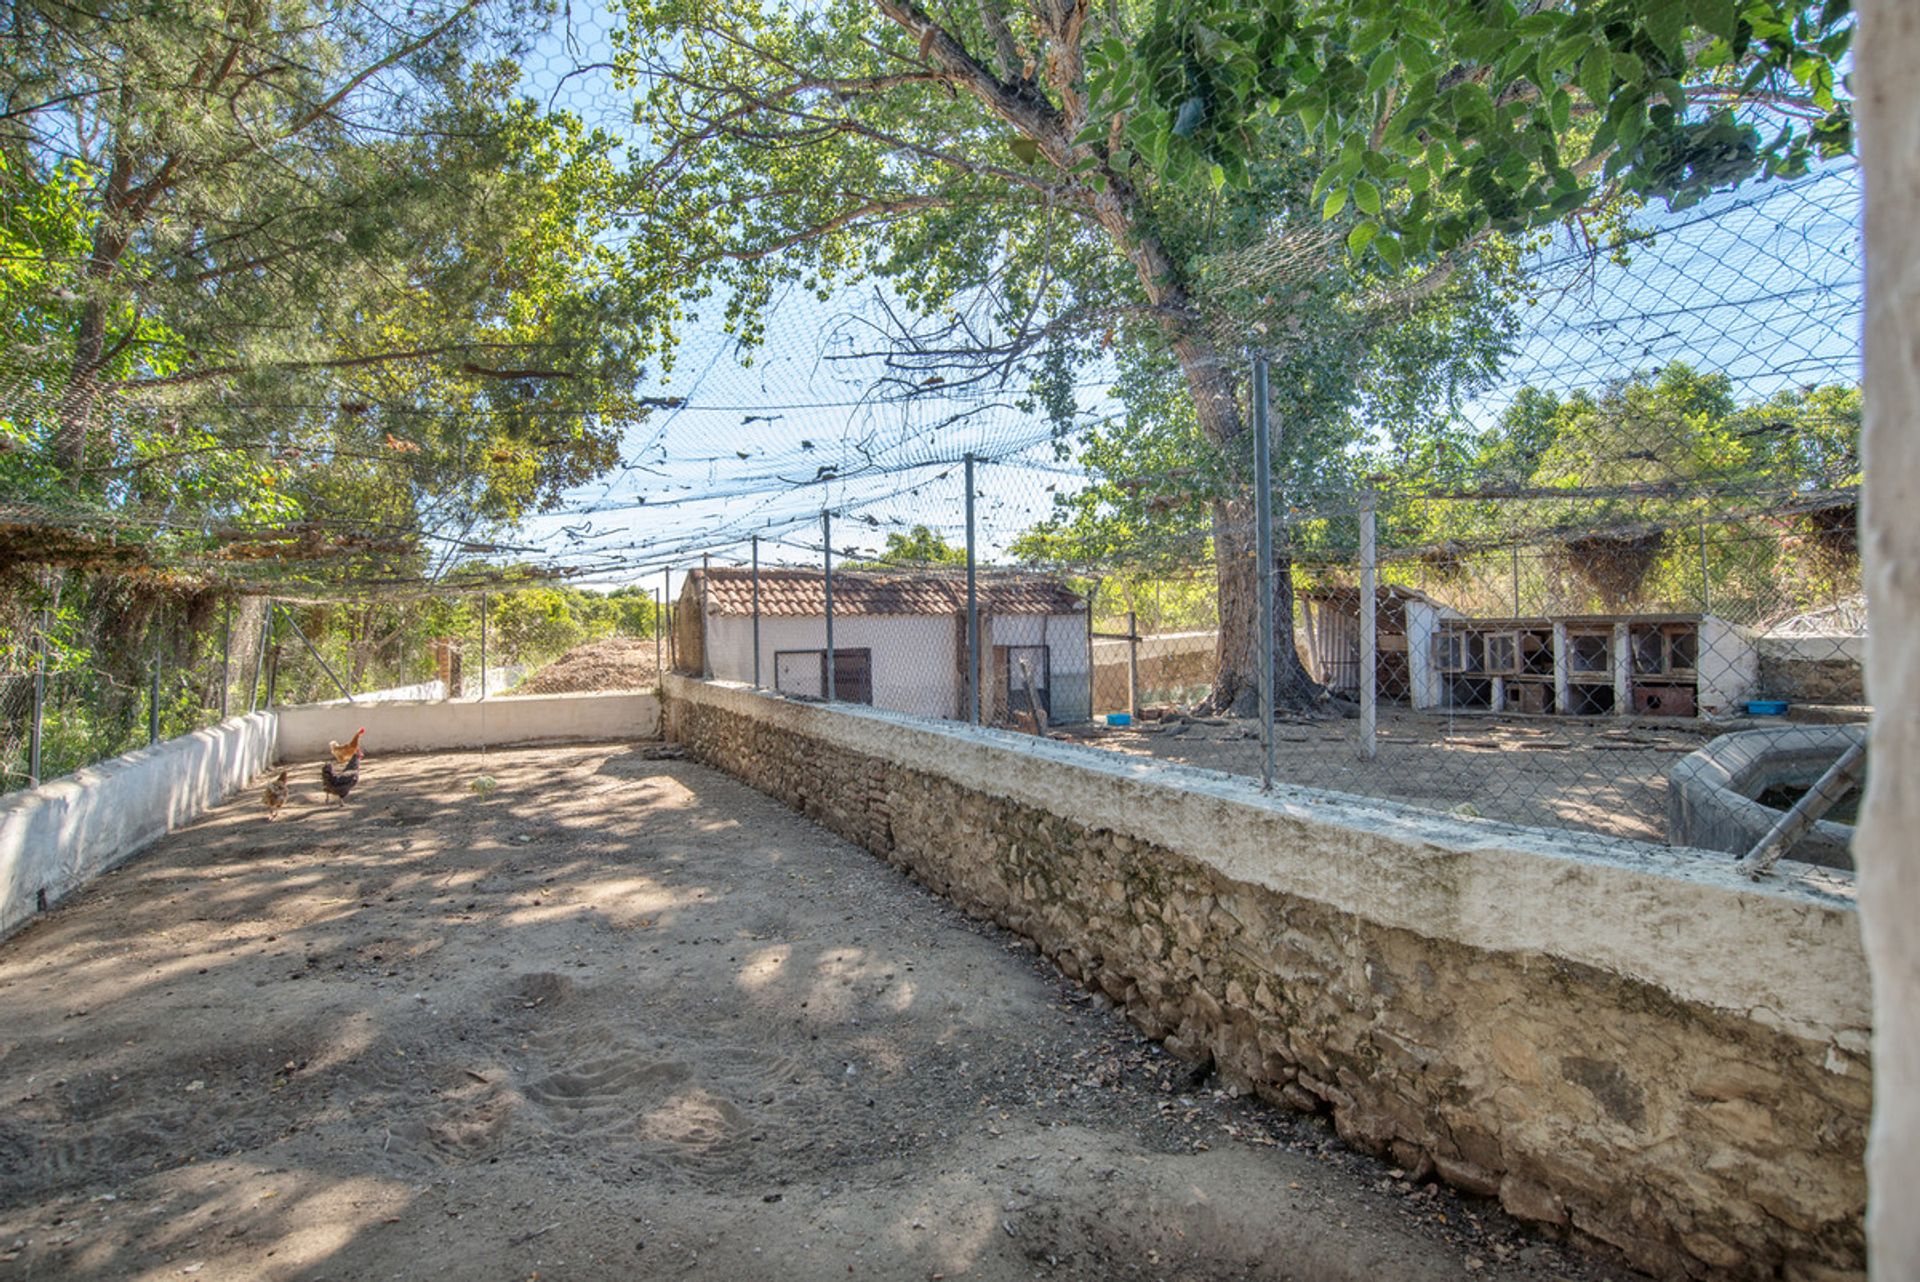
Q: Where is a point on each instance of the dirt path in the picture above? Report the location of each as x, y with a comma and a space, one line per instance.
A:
624, 1018
1582, 775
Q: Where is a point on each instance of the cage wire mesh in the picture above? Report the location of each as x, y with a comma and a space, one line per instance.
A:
1622, 517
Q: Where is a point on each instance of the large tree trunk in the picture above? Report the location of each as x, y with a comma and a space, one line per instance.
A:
1236, 669
1109, 200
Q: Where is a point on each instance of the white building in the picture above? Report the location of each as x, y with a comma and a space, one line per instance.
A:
899, 638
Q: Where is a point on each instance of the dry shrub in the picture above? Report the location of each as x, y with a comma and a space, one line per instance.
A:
1613, 565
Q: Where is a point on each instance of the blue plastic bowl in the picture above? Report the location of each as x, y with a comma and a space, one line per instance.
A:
1766, 707
1119, 718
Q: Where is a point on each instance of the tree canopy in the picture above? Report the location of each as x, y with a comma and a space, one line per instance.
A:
293, 284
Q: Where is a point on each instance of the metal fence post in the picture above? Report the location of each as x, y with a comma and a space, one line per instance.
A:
259, 660
483, 646
1263, 542
1133, 667
756, 611
973, 613
35, 729
153, 700
659, 629
826, 555
1369, 630
706, 650
1706, 587
226, 656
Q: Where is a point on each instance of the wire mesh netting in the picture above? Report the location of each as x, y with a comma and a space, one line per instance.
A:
1608, 475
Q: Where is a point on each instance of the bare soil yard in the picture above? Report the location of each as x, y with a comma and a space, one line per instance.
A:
625, 1018
1593, 775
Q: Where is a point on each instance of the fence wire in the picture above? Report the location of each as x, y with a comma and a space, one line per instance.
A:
1612, 477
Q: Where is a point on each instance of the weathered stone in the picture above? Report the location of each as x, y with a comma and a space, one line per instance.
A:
1463, 1174
1529, 1201
1697, 1140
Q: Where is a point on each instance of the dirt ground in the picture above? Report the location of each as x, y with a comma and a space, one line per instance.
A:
623, 1017
611, 663
1596, 776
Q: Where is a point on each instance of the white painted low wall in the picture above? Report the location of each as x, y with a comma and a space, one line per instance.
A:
426, 726
61, 835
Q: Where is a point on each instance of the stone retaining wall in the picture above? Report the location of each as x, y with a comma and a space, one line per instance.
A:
1637, 1049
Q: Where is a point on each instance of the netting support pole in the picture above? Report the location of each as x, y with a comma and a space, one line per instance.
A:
1369, 629
483, 646
756, 611
153, 699
826, 561
226, 655
659, 629
706, 651
1706, 585
1133, 667
318, 658
973, 612
259, 660
38, 723
1263, 545
666, 600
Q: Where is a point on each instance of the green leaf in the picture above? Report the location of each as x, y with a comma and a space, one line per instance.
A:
1026, 150
1361, 236
1596, 75
1719, 17
1390, 251
1218, 177
1366, 196
1664, 25
1336, 201
1381, 71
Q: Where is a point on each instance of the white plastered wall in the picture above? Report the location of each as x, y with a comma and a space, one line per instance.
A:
1886, 851
914, 664
1728, 665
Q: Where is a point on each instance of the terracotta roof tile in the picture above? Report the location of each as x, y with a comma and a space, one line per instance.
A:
799, 593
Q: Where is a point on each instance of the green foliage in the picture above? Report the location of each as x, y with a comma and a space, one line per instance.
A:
1441, 119
299, 266
920, 546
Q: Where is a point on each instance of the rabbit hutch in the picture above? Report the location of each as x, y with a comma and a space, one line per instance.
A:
1643, 665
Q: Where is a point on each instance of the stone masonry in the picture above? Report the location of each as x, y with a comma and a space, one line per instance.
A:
1695, 1141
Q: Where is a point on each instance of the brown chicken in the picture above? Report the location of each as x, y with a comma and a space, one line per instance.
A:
344, 753
275, 795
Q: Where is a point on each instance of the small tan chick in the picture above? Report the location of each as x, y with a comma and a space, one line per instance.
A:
344, 753
275, 795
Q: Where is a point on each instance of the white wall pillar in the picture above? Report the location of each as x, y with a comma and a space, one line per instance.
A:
1886, 850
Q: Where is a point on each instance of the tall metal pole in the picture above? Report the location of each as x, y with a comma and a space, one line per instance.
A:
826, 555
706, 654
39, 702
483, 645
1263, 543
1706, 589
1133, 667
1369, 630
153, 700
259, 659
659, 628
756, 611
226, 656
973, 612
